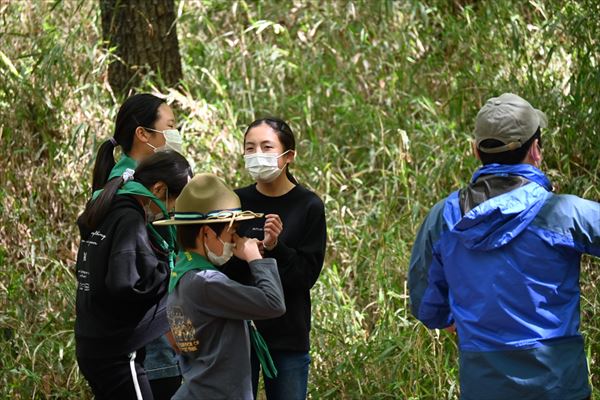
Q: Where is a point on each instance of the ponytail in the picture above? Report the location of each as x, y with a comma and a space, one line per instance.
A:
290, 176
104, 164
96, 210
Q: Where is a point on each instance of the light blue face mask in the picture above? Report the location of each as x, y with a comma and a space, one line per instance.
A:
173, 140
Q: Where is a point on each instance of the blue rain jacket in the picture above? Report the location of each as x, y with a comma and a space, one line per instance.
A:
506, 272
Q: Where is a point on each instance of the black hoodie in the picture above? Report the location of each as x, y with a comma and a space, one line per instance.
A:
121, 284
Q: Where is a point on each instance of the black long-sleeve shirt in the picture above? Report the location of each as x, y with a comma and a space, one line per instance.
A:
299, 253
121, 284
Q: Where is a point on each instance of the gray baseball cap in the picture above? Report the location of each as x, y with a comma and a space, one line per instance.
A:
509, 119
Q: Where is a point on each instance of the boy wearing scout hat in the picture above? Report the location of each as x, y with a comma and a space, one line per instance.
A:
207, 311
498, 262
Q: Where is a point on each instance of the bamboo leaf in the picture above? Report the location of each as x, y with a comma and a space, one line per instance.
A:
9, 64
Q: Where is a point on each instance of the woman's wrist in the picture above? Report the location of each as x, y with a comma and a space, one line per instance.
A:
271, 247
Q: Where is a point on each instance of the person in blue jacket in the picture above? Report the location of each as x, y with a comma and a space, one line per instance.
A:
499, 260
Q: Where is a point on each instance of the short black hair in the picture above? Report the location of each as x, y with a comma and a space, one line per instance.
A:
510, 157
187, 234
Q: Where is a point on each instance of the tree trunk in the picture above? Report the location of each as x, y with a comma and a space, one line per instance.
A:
145, 37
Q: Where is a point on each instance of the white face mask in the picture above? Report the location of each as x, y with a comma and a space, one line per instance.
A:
264, 167
151, 216
173, 140
223, 258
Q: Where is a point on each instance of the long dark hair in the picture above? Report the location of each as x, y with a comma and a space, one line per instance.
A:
138, 110
284, 133
166, 166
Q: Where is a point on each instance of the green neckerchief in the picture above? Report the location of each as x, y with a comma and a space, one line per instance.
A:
262, 351
124, 162
188, 261
168, 245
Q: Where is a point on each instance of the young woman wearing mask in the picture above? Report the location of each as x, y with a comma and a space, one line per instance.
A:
294, 233
123, 273
145, 124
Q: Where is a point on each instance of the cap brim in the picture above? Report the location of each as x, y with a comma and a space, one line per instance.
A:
174, 221
542, 118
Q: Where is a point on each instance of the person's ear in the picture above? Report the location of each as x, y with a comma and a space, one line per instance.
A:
141, 134
535, 153
207, 232
475, 150
200, 238
159, 189
289, 157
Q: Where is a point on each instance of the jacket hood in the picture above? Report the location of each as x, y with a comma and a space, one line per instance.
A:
119, 202
501, 215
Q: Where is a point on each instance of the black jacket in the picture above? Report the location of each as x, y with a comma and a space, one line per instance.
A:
121, 284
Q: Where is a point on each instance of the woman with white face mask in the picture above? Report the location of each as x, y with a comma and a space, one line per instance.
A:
293, 232
144, 125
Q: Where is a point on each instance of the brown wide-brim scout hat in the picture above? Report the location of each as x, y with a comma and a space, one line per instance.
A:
207, 199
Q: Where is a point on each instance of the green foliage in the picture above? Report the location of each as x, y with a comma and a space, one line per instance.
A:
382, 96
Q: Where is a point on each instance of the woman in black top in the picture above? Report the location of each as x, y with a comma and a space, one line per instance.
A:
144, 124
123, 274
294, 233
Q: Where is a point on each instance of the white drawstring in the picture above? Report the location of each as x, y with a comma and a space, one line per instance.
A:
136, 384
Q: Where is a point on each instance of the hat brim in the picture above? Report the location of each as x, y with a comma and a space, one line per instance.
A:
543, 120
174, 221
